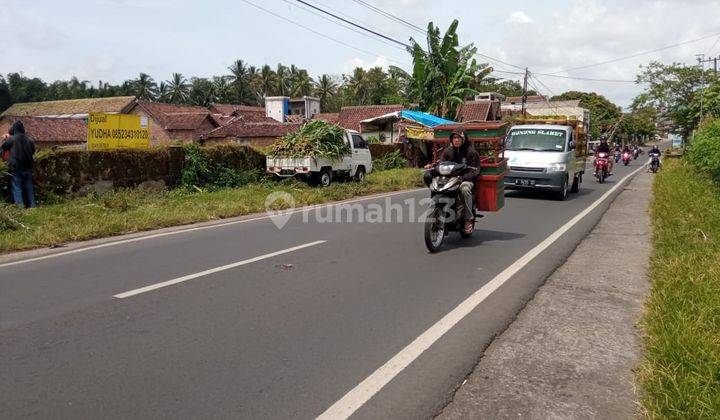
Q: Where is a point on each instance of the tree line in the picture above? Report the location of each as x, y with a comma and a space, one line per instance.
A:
444, 74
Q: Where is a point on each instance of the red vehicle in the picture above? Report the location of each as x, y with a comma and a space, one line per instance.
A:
601, 166
626, 157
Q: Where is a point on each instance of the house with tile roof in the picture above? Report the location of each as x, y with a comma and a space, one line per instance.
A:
71, 108
171, 123
479, 110
50, 133
350, 118
245, 132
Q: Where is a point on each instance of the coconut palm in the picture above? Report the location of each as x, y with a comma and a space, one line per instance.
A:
145, 87
266, 81
223, 89
282, 80
324, 88
178, 89
301, 83
240, 79
163, 92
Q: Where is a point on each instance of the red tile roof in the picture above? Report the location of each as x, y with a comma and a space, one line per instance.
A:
178, 117
530, 98
474, 111
229, 109
331, 117
50, 130
115, 104
241, 128
350, 116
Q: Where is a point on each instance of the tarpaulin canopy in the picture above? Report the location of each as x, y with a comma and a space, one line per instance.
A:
428, 120
423, 118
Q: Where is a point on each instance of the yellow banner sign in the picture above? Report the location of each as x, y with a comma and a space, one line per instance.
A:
419, 133
117, 131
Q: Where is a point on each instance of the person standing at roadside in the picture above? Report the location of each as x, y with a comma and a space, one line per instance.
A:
20, 164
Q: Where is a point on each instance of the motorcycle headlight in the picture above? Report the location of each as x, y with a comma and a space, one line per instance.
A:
557, 167
445, 169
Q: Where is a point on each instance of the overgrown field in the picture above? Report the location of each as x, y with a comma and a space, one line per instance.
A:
680, 376
130, 210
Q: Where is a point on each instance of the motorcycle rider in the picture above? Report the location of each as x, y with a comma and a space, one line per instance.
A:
655, 150
604, 147
461, 151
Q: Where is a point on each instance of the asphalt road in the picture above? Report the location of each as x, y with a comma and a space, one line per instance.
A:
281, 336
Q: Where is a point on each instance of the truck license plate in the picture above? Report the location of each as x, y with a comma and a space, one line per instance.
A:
525, 182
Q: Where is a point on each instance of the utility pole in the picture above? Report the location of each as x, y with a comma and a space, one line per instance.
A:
701, 62
525, 95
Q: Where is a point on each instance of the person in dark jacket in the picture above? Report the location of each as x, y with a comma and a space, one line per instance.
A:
20, 163
461, 151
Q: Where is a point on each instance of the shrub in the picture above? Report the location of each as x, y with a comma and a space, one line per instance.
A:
222, 166
393, 160
704, 150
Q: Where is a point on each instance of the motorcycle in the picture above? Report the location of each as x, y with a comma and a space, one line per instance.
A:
626, 158
636, 153
654, 162
445, 212
601, 167
616, 154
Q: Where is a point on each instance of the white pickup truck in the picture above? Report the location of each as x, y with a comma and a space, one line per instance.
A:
321, 171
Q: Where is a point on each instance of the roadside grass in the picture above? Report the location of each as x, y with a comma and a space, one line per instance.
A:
127, 211
680, 376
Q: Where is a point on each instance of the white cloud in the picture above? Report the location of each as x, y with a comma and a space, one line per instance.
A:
30, 32
352, 63
591, 31
518, 17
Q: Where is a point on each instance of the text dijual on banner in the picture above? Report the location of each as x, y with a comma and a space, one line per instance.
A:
117, 131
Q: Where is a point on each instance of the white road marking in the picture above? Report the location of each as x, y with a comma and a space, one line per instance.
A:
193, 229
358, 396
167, 283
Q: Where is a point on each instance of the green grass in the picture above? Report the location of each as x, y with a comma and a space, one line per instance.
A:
680, 376
128, 211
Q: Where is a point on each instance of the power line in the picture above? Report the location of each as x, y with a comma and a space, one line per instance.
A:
354, 24
586, 78
314, 31
391, 16
600, 63
341, 25
424, 32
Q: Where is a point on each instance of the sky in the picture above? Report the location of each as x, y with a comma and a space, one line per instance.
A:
114, 40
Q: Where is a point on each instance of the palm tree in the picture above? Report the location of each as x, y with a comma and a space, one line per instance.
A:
325, 88
443, 74
239, 79
223, 89
282, 80
301, 83
163, 92
266, 81
178, 89
358, 86
145, 87
202, 91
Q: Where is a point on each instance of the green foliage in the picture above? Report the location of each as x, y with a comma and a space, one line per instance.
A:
9, 217
680, 376
317, 139
603, 113
214, 168
704, 149
444, 73
373, 140
392, 160
674, 89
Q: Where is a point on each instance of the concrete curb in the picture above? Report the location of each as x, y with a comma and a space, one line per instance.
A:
571, 352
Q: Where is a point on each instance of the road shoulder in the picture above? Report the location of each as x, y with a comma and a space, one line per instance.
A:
572, 350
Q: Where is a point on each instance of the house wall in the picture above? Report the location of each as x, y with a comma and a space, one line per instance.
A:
158, 135
277, 107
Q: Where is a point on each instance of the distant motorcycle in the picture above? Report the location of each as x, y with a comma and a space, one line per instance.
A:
617, 156
602, 164
626, 158
654, 162
636, 153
